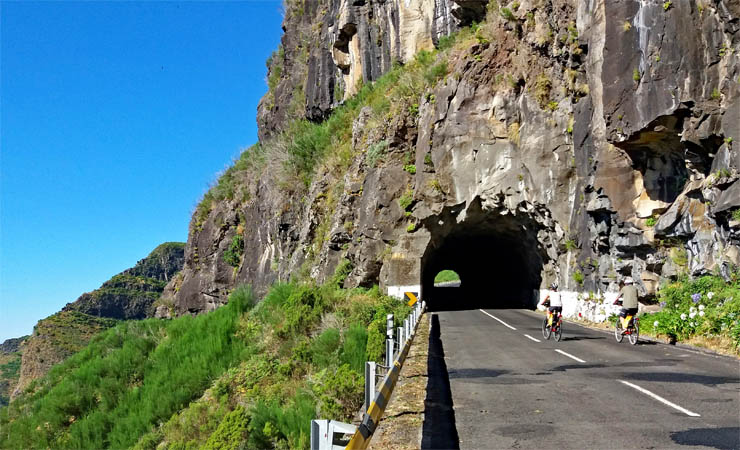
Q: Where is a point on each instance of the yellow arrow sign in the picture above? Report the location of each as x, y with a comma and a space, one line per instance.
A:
412, 298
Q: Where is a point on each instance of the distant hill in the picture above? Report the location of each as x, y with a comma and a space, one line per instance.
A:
10, 364
128, 295
131, 293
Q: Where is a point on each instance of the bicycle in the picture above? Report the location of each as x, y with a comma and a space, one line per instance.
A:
555, 328
632, 331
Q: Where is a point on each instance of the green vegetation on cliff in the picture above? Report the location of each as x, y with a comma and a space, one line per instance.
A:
240, 374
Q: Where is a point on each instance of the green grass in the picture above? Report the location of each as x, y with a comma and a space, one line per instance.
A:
240, 375
446, 275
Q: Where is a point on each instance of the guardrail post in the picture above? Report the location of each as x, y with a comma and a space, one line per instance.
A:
400, 337
389, 352
370, 370
406, 326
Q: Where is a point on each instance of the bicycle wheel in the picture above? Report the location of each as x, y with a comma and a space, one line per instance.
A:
618, 330
546, 330
558, 332
634, 334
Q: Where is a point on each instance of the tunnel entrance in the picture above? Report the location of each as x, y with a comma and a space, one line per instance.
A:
497, 256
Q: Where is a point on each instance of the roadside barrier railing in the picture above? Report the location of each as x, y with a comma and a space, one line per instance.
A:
333, 435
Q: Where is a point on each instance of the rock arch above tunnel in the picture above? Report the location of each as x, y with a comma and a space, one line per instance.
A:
496, 252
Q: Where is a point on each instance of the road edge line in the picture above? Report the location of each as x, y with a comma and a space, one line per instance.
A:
531, 338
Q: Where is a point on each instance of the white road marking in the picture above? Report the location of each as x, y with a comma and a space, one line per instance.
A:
570, 356
661, 399
494, 317
531, 338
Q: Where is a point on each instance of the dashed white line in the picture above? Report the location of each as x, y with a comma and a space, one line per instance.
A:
570, 356
661, 399
496, 318
531, 338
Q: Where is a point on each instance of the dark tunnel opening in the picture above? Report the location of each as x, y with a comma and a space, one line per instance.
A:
497, 257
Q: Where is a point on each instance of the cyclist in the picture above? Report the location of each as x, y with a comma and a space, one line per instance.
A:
553, 303
628, 299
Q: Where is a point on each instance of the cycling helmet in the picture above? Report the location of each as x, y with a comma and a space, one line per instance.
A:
628, 280
554, 286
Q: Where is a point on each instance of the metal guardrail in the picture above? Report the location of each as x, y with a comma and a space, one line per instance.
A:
370, 420
330, 434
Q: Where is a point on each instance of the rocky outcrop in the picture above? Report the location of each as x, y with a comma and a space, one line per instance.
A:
131, 294
579, 143
12, 345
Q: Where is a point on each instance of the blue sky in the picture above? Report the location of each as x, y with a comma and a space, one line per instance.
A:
115, 117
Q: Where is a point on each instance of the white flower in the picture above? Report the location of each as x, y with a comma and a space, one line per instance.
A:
691, 323
701, 307
701, 313
655, 324
710, 295
692, 314
692, 309
683, 316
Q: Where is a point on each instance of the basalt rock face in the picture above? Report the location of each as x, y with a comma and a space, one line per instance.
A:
571, 142
330, 48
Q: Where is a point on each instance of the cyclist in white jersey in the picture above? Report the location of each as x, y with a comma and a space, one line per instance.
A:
553, 302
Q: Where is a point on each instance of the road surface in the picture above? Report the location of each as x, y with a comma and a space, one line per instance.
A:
510, 388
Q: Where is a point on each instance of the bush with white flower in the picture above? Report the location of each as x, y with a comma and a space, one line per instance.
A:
706, 306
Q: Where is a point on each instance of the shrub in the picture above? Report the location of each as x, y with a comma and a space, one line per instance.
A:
410, 168
354, 348
233, 255
231, 432
325, 347
578, 277
406, 200
706, 306
375, 152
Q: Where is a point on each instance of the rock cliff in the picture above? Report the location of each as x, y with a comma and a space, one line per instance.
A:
577, 142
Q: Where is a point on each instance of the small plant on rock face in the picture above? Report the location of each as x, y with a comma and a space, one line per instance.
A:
667, 5
428, 159
410, 168
406, 200
233, 255
736, 215
651, 221
578, 277
715, 94
636, 75
626, 26
728, 140
507, 14
411, 228
570, 244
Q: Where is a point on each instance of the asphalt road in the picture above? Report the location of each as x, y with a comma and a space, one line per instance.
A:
510, 388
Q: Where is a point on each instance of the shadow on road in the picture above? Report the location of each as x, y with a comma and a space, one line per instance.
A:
720, 438
582, 338
439, 418
672, 377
